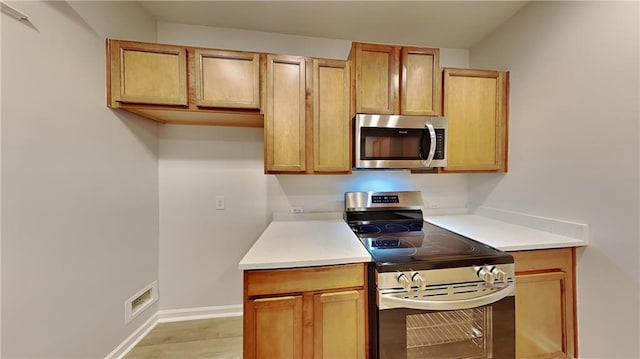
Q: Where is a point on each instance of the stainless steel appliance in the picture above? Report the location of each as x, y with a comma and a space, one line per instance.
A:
437, 294
404, 142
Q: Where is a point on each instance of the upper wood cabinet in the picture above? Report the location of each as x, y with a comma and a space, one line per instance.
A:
331, 116
545, 303
147, 73
285, 117
307, 118
476, 106
227, 79
396, 80
184, 85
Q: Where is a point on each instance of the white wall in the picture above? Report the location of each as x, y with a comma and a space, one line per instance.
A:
574, 149
79, 184
200, 247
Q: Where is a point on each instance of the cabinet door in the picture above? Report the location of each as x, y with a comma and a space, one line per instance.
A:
541, 316
227, 79
545, 304
420, 85
285, 128
475, 103
331, 116
147, 73
339, 325
273, 328
376, 78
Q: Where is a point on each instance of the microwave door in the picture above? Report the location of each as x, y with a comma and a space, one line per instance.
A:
428, 141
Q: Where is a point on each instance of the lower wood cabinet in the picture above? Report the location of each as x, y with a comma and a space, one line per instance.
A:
276, 327
313, 312
545, 306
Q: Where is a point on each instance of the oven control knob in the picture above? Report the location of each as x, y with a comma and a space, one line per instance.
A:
404, 281
418, 280
485, 273
499, 274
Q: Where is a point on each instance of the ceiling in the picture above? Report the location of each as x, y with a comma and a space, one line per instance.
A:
452, 24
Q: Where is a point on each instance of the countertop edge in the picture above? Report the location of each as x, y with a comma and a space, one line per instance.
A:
303, 263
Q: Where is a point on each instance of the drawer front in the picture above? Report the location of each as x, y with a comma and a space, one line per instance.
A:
309, 279
543, 260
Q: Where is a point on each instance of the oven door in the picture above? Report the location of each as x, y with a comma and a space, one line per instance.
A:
486, 331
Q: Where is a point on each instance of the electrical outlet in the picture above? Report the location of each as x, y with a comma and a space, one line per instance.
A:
297, 210
433, 205
219, 202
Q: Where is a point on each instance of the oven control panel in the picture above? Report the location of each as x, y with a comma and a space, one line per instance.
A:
488, 276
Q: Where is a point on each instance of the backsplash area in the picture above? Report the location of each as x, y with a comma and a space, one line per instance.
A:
197, 241
326, 193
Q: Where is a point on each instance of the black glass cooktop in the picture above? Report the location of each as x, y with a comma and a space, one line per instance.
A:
430, 248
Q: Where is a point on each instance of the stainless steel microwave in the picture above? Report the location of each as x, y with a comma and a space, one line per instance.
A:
399, 142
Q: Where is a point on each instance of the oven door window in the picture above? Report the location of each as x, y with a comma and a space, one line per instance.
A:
482, 333
464, 333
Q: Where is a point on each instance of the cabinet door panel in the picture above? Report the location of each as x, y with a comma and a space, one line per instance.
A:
339, 325
376, 78
275, 328
420, 85
149, 73
331, 116
285, 144
227, 79
545, 303
475, 108
540, 315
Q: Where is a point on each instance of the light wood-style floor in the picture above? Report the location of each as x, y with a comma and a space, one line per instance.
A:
219, 338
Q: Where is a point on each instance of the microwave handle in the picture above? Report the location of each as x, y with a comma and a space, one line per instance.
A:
432, 149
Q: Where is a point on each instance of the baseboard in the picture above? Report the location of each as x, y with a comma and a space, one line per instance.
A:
172, 315
177, 315
121, 350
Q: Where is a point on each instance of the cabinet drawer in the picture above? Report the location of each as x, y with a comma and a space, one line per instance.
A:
296, 280
543, 260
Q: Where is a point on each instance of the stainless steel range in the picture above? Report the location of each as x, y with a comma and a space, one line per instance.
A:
437, 294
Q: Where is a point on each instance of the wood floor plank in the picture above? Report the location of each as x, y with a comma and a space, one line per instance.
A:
219, 338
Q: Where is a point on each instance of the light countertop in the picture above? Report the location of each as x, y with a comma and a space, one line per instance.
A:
319, 240
503, 235
289, 244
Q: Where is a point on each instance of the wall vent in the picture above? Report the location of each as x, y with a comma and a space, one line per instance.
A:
140, 301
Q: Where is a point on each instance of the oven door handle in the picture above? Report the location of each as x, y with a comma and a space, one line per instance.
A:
389, 301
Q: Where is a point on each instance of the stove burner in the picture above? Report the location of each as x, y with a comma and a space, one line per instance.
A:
395, 227
438, 244
393, 245
368, 229
390, 242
